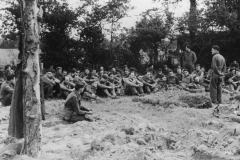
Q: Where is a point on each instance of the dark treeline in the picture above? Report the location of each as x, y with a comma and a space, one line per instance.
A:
79, 37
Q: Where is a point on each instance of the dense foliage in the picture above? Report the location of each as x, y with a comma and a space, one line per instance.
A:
90, 35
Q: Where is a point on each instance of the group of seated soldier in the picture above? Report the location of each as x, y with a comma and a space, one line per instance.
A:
232, 80
113, 83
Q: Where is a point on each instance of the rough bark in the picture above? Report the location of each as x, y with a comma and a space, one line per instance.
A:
193, 20
28, 82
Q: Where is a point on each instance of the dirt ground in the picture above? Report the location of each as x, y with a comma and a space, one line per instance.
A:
137, 130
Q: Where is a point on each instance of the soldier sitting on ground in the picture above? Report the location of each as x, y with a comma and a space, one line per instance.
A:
105, 88
179, 74
73, 111
85, 74
198, 72
166, 70
133, 85
6, 90
51, 85
196, 85
186, 79
116, 82
66, 88
72, 74
149, 85
228, 79
172, 80
158, 77
90, 78
90, 93
235, 82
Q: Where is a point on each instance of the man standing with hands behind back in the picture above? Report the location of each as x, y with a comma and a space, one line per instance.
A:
218, 68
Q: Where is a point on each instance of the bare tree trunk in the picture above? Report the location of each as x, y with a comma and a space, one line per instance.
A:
193, 20
28, 82
238, 9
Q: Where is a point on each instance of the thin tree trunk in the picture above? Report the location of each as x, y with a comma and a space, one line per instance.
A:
193, 20
111, 42
238, 9
28, 80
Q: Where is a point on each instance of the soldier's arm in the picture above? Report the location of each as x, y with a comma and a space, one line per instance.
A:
103, 86
144, 82
76, 107
129, 83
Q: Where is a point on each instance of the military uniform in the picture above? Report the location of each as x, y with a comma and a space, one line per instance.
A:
6, 93
73, 111
218, 68
189, 59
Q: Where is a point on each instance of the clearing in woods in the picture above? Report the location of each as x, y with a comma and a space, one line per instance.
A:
130, 130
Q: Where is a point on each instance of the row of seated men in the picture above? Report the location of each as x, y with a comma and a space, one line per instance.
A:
113, 84
232, 80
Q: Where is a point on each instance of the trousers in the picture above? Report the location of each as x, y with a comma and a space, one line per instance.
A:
216, 89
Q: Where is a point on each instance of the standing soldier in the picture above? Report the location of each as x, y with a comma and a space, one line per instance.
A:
189, 59
218, 68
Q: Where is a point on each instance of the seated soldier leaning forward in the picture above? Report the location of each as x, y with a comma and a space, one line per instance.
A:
196, 86
90, 93
198, 72
66, 88
90, 78
73, 111
149, 85
116, 82
105, 88
6, 90
133, 85
228, 79
235, 82
51, 85
85, 73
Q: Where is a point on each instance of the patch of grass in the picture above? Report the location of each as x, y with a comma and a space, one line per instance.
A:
109, 138
129, 131
194, 100
96, 146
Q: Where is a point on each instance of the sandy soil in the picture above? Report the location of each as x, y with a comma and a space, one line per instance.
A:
129, 130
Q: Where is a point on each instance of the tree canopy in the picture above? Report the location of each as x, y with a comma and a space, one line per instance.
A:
91, 34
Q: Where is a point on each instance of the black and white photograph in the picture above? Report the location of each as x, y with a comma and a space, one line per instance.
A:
119, 80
